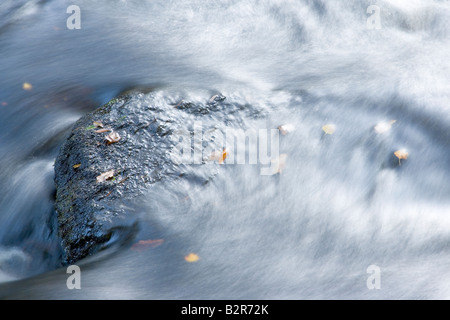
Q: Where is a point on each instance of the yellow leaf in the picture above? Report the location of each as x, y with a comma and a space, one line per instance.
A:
401, 154
191, 257
105, 176
329, 128
76, 166
27, 86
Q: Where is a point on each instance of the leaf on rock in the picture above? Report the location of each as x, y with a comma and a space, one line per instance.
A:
105, 176
286, 128
191, 257
401, 154
98, 124
329, 128
113, 137
146, 244
384, 126
27, 86
76, 166
102, 130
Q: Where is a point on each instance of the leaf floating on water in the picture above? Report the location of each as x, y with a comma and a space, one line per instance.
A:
329, 128
27, 86
279, 164
76, 166
113, 137
286, 128
223, 156
191, 257
105, 176
401, 154
383, 127
146, 244
219, 156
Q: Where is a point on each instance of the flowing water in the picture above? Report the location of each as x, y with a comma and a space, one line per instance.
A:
341, 208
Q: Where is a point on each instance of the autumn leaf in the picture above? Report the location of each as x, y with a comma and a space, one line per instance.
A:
191, 257
76, 166
113, 137
105, 176
384, 126
223, 156
27, 86
102, 130
219, 156
98, 124
329, 128
286, 128
146, 244
279, 163
401, 154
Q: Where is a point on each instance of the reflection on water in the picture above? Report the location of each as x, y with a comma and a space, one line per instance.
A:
341, 205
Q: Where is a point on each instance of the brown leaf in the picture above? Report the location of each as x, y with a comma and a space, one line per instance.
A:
105, 176
113, 137
102, 130
146, 244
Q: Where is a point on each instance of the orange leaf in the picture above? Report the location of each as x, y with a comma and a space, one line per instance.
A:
401, 154
223, 156
146, 244
219, 156
191, 257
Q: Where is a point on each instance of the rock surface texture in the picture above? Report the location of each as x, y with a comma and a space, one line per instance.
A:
117, 152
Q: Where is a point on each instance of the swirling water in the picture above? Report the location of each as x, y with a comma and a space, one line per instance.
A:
341, 205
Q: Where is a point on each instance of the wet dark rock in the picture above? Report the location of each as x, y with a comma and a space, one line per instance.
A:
94, 215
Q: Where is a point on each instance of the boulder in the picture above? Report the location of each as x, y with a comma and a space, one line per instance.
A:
114, 154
